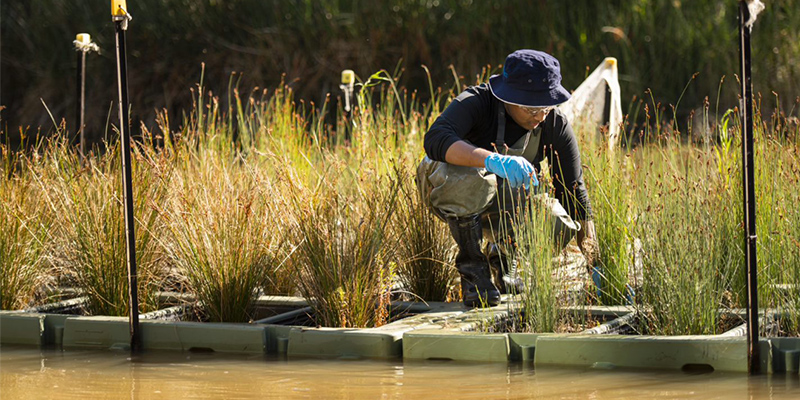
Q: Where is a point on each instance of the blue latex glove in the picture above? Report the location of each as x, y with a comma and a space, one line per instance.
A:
514, 169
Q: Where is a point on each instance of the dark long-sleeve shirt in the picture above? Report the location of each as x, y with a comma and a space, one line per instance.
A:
472, 116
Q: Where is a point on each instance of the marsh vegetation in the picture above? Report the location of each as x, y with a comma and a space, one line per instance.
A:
257, 194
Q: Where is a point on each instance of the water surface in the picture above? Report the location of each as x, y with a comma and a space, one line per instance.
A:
29, 373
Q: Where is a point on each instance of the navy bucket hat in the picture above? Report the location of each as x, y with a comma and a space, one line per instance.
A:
530, 78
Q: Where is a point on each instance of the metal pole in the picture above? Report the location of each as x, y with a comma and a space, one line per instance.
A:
121, 17
81, 101
83, 44
348, 79
753, 353
1, 51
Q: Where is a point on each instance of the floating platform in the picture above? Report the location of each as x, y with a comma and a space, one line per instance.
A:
432, 331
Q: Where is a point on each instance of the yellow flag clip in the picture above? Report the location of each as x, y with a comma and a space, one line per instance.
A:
119, 8
119, 13
83, 42
348, 77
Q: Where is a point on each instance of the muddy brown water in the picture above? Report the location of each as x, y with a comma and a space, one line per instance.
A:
29, 373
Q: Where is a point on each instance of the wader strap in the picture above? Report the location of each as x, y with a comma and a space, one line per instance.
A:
501, 129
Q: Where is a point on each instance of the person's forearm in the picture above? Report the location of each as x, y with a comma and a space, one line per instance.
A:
587, 230
467, 155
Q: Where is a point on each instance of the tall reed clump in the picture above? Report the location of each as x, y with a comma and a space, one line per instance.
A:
788, 296
777, 176
724, 170
691, 254
225, 233
608, 182
89, 205
544, 294
24, 228
344, 262
424, 246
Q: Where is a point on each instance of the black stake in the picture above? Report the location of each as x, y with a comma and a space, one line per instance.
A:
753, 353
121, 17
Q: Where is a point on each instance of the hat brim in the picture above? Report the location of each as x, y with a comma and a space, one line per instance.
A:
542, 98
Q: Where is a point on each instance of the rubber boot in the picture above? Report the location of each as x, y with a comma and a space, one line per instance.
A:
476, 281
597, 278
504, 270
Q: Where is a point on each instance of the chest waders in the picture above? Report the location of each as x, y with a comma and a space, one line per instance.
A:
472, 200
503, 267
477, 287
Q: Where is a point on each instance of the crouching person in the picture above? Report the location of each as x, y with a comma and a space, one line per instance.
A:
483, 154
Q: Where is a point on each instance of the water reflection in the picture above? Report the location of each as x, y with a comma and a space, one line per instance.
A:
28, 373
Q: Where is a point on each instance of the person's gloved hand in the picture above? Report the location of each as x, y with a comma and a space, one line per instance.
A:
587, 242
516, 170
